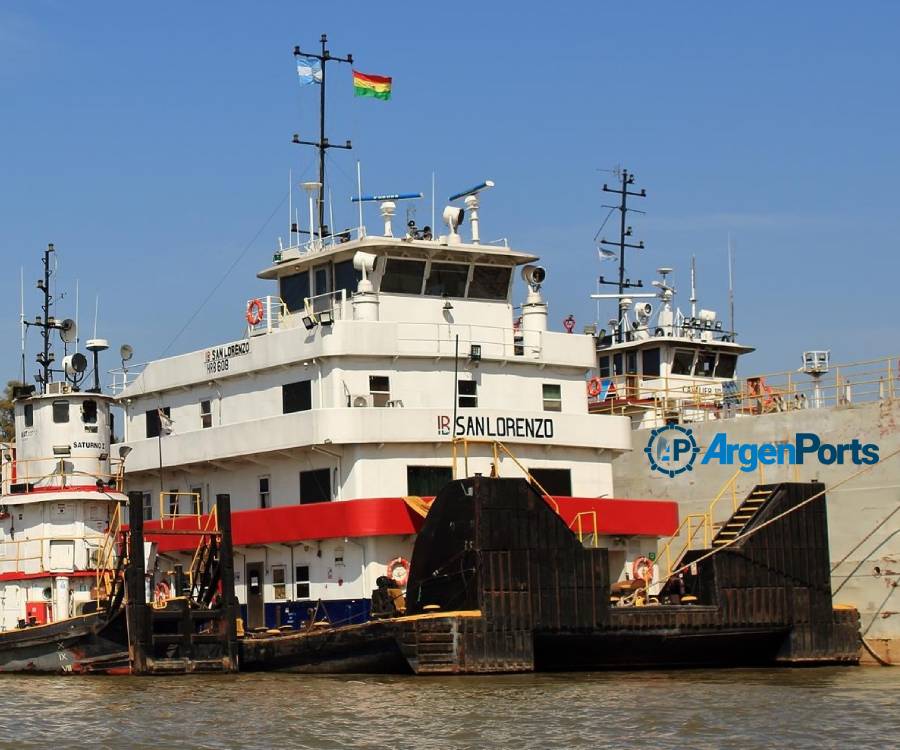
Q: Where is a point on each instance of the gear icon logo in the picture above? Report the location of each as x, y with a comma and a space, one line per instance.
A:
672, 450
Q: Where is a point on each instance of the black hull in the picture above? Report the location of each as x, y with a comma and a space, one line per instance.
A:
88, 644
498, 583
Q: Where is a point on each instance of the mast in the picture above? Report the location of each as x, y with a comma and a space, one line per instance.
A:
45, 322
624, 232
322, 145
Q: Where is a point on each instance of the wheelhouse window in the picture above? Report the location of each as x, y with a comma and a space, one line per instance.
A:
279, 588
315, 486
153, 422
631, 363
552, 393
206, 413
89, 411
296, 397
706, 364
557, 482
346, 277
447, 279
294, 290
603, 367
28, 413
301, 580
726, 366
427, 481
683, 362
403, 276
617, 364
468, 393
489, 282
60, 411
650, 362
380, 389
264, 497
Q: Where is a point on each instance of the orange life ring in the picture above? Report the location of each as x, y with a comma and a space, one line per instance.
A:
255, 311
647, 574
161, 592
594, 386
398, 570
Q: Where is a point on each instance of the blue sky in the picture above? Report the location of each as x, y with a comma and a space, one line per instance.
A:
151, 143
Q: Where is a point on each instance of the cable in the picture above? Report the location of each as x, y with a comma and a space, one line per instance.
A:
221, 281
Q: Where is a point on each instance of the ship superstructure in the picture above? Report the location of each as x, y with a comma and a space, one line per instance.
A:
61, 487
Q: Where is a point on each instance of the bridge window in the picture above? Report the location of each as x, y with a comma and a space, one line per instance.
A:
60, 411
294, 290
489, 282
346, 277
206, 413
447, 279
650, 362
301, 578
557, 482
468, 394
552, 397
706, 364
296, 397
264, 498
89, 411
427, 481
604, 367
315, 486
726, 366
279, 589
380, 389
403, 276
683, 362
631, 363
617, 364
153, 422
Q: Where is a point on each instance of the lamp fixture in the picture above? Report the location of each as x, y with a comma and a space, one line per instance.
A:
326, 317
62, 450
310, 322
475, 353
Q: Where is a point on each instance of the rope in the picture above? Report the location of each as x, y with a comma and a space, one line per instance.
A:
864, 539
873, 654
763, 525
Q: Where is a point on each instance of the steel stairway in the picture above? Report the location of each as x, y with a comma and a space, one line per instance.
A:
745, 513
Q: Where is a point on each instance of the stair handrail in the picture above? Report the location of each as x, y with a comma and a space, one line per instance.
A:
212, 524
692, 530
106, 555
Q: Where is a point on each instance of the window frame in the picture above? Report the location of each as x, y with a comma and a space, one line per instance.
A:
147, 505
206, 414
471, 399
552, 403
57, 412
282, 569
386, 275
299, 398
320, 472
380, 397
264, 496
300, 580
676, 353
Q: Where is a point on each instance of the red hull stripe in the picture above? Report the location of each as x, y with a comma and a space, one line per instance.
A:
392, 516
14, 576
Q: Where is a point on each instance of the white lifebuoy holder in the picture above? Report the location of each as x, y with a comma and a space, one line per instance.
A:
255, 311
398, 570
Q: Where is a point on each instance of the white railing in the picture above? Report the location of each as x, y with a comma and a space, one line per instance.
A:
329, 302
270, 310
439, 339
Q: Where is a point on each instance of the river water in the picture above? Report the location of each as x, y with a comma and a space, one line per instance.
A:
848, 708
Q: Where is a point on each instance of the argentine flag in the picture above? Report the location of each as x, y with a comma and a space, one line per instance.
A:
309, 70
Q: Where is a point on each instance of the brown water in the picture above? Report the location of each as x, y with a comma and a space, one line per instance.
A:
848, 708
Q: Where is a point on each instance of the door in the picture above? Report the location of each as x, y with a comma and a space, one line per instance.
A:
256, 611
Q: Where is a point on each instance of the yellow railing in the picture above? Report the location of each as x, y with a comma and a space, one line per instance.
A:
212, 524
694, 523
843, 384
108, 556
496, 449
168, 499
59, 471
578, 527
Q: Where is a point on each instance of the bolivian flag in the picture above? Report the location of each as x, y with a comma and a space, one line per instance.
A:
368, 85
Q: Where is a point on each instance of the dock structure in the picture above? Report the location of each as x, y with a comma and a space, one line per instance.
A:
195, 629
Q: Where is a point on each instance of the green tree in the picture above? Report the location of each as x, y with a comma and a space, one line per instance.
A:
7, 421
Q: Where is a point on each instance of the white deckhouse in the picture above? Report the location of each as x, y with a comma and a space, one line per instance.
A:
337, 412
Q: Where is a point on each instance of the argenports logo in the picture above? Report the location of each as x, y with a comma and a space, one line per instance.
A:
673, 449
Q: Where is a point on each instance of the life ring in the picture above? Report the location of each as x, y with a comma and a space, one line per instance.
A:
161, 593
642, 569
569, 323
398, 570
255, 311
517, 324
594, 386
